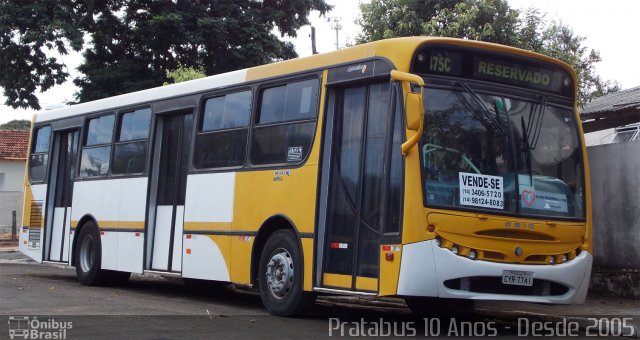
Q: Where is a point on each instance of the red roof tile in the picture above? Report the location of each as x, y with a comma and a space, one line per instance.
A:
14, 144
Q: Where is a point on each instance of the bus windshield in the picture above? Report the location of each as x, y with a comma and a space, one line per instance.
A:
496, 153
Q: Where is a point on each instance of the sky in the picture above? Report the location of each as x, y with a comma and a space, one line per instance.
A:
608, 27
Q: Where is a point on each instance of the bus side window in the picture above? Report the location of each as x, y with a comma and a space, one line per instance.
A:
130, 150
286, 123
222, 133
97, 147
39, 154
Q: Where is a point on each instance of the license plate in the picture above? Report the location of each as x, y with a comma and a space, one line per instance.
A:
517, 278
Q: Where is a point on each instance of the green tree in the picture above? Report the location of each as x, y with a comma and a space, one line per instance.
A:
134, 42
29, 31
184, 74
486, 20
134, 47
16, 124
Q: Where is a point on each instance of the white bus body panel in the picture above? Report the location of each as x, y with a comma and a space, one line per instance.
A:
112, 200
209, 198
130, 251
418, 277
161, 237
56, 233
109, 243
176, 261
66, 252
206, 261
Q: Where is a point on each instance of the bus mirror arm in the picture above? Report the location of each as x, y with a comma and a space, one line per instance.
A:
413, 140
413, 107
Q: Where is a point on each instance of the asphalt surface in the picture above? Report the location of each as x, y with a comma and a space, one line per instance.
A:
160, 307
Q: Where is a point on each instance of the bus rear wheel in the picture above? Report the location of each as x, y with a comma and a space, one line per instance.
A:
280, 276
88, 252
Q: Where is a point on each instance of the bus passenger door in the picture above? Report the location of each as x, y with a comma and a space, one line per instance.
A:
351, 208
63, 170
169, 183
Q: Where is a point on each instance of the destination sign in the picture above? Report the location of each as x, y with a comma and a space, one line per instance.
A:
518, 74
494, 67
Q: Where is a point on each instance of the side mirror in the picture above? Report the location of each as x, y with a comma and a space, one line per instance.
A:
413, 108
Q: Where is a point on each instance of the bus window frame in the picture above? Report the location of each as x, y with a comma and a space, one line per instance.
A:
257, 100
200, 119
116, 133
34, 136
85, 132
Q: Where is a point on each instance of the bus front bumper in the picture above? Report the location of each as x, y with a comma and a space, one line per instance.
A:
425, 267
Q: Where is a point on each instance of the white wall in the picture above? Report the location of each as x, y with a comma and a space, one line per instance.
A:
11, 175
599, 137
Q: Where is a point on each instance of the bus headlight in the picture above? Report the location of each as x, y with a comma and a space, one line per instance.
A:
552, 260
454, 249
472, 254
564, 258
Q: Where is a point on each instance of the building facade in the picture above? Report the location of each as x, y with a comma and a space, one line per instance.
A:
13, 154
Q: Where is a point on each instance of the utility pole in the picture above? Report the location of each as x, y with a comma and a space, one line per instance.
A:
335, 25
313, 40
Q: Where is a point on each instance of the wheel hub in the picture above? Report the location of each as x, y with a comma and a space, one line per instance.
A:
86, 254
279, 273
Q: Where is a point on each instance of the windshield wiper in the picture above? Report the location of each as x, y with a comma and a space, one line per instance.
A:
527, 149
488, 119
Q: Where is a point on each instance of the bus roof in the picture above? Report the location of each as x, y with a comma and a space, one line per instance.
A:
394, 50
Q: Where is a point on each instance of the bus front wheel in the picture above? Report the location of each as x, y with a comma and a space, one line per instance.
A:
280, 276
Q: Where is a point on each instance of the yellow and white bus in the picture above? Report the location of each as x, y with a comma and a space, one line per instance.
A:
425, 168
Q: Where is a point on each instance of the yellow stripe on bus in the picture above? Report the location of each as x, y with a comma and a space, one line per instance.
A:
336, 280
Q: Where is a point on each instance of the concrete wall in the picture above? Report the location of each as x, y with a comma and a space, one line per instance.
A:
10, 201
599, 137
11, 175
615, 192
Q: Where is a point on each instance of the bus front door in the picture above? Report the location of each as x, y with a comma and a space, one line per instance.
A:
169, 183
58, 218
353, 173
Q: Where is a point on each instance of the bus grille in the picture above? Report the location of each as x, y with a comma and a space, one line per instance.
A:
35, 220
494, 285
34, 237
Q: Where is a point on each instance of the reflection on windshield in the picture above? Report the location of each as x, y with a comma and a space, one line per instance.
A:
498, 153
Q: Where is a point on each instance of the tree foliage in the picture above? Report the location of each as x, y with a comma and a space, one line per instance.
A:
486, 20
16, 124
184, 74
134, 46
134, 42
29, 32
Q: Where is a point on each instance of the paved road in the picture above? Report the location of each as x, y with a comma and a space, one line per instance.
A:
156, 307
163, 308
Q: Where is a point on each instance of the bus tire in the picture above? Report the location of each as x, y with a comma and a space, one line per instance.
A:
280, 276
88, 257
